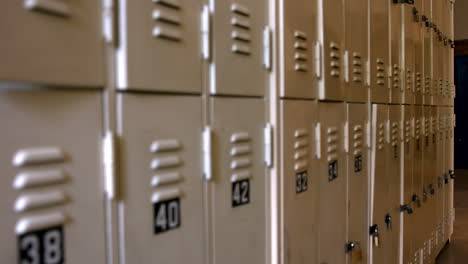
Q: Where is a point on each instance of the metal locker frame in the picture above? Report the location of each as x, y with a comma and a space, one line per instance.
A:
355, 55
47, 169
379, 51
379, 182
358, 182
159, 46
332, 183
299, 195
396, 53
297, 37
161, 201
237, 123
68, 32
241, 53
330, 50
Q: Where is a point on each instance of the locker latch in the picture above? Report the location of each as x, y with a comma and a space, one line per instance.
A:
431, 189
415, 14
407, 208
350, 246
416, 200
388, 221
424, 194
446, 178
374, 232
452, 174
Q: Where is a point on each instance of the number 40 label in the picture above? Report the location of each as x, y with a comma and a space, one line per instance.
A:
42, 247
166, 215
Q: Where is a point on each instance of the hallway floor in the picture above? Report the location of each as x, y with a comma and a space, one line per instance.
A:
457, 251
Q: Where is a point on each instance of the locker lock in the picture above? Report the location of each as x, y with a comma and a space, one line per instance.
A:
388, 221
350, 246
410, 2
452, 44
415, 199
426, 21
424, 194
415, 14
431, 189
374, 230
446, 179
452, 174
406, 208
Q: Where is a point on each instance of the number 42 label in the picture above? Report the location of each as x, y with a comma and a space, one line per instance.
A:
240, 193
42, 246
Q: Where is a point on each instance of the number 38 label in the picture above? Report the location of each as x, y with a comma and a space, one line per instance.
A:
42, 247
240, 193
166, 215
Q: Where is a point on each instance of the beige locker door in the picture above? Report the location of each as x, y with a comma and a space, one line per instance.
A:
441, 176
358, 180
159, 46
427, 57
331, 38
356, 33
407, 178
393, 159
332, 183
379, 53
419, 53
239, 185
49, 159
162, 186
53, 42
451, 166
396, 51
237, 63
410, 39
297, 37
380, 188
448, 168
299, 181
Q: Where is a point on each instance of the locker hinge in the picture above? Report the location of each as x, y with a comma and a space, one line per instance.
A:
207, 136
346, 137
205, 30
318, 60
267, 61
318, 142
108, 21
346, 66
268, 134
109, 163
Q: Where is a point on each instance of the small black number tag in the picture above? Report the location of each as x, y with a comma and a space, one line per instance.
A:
332, 170
42, 247
166, 215
395, 151
302, 182
358, 163
240, 193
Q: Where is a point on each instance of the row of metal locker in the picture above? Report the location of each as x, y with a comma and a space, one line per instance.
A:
222, 131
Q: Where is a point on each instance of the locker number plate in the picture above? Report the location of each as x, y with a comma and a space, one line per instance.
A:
166, 215
302, 181
240, 193
332, 170
358, 164
42, 246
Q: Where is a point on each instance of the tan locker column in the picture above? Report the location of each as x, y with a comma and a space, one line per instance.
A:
300, 183
451, 166
52, 42
379, 55
393, 159
427, 57
50, 157
297, 40
441, 176
330, 50
238, 186
356, 57
418, 52
332, 183
410, 38
358, 180
437, 57
427, 186
406, 208
380, 188
438, 179
396, 52
162, 186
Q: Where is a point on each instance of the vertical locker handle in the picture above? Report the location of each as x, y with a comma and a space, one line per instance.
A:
207, 155
368, 134
346, 66
346, 137
268, 134
109, 162
318, 141
267, 48
318, 60
205, 30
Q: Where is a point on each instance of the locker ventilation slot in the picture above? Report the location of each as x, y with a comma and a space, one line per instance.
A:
407, 131
427, 86
418, 82
241, 156
168, 19
418, 129
358, 138
332, 144
166, 164
357, 67
380, 73
381, 136
33, 199
427, 126
409, 80
240, 34
394, 137
396, 76
301, 150
300, 51
335, 61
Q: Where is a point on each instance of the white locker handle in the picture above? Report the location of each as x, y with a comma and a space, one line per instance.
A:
206, 149
206, 33
53, 7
